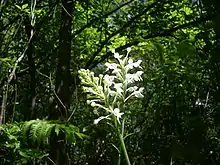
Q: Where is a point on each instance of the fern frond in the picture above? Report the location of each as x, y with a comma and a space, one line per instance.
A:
34, 131
48, 132
42, 133
39, 132
26, 129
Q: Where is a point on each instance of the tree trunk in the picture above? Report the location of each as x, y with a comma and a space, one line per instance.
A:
59, 110
63, 77
31, 98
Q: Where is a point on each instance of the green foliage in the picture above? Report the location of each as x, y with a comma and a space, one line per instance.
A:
177, 120
12, 149
28, 141
39, 132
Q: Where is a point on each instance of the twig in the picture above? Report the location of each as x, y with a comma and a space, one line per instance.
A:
15, 102
207, 98
51, 160
71, 114
66, 10
49, 77
4, 102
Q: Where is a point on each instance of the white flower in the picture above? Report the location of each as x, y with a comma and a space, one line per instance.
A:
92, 74
117, 56
129, 66
112, 93
132, 64
129, 78
110, 66
134, 77
96, 121
113, 50
100, 76
117, 113
88, 101
108, 80
128, 49
138, 93
95, 111
132, 89
137, 64
93, 104
100, 88
130, 61
137, 75
118, 87
107, 91
96, 80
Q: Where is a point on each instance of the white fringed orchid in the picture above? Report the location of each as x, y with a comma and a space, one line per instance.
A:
110, 92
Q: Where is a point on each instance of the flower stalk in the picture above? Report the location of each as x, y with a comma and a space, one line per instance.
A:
109, 93
124, 149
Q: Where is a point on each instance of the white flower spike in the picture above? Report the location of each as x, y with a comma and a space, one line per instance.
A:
112, 90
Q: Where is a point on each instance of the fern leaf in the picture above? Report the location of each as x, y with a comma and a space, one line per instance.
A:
48, 133
40, 131
34, 132
26, 129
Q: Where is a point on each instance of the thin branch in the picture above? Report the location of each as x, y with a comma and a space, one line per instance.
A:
169, 32
23, 72
12, 74
51, 160
66, 11
161, 33
95, 20
15, 102
126, 25
207, 98
11, 39
4, 103
71, 114
21, 56
49, 77
103, 58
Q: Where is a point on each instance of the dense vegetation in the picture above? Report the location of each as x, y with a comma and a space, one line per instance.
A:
44, 115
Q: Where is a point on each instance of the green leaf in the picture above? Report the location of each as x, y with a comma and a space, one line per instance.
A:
57, 130
115, 147
23, 154
81, 135
42, 156
24, 6
128, 135
18, 7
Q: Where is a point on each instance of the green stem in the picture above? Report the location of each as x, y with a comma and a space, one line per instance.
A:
120, 134
124, 149
119, 159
